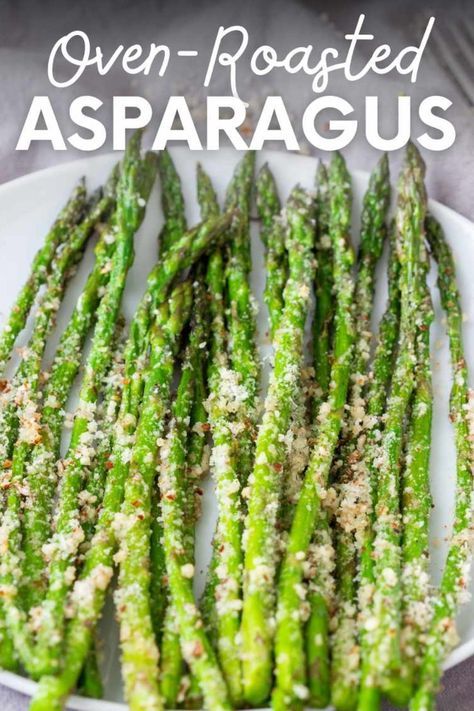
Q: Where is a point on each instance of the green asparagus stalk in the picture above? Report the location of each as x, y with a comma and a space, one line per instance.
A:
218, 362
416, 508
243, 357
133, 189
163, 616
273, 237
261, 522
323, 312
379, 382
90, 681
352, 483
207, 198
172, 201
289, 649
40, 269
321, 583
137, 640
196, 647
321, 566
455, 575
218, 358
383, 625
226, 402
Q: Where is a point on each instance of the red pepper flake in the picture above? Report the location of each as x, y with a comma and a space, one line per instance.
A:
198, 649
7, 463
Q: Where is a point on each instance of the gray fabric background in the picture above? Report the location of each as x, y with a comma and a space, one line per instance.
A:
28, 30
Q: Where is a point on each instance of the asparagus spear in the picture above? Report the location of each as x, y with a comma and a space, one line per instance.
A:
215, 280
162, 614
218, 362
90, 681
323, 313
138, 646
352, 486
241, 321
416, 507
260, 526
40, 269
289, 654
320, 573
196, 647
226, 402
383, 625
379, 382
134, 186
273, 237
99, 558
26, 389
455, 575
172, 201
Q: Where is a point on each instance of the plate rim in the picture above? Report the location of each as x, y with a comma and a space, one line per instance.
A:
23, 684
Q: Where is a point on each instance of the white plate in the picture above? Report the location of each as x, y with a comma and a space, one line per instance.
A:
29, 204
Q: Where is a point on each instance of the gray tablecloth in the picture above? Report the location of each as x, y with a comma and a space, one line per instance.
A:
28, 30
